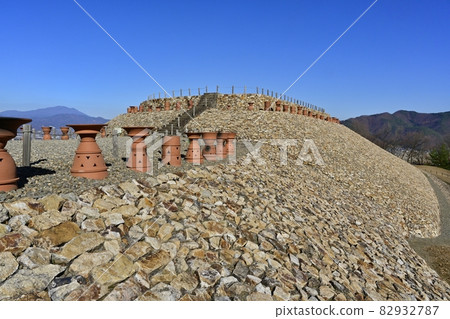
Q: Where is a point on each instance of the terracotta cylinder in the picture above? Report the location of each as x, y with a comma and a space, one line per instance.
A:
285, 108
8, 130
299, 110
64, 131
209, 151
266, 105
141, 108
251, 106
103, 132
305, 112
194, 152
191, 104
46, 130
278, 106
321, 117
309, 114
171, 151
128, 110
167, 106
150, 109
138, 159
221, 151
158, 108
88, 161
293, 109
230, 143
178, 106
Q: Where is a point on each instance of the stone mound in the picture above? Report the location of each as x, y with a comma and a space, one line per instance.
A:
243, 231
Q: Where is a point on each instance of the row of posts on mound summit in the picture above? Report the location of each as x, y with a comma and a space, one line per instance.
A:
89, 162
279, 107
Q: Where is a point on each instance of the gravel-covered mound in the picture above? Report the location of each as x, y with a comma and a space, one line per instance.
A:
149, 119
243, 231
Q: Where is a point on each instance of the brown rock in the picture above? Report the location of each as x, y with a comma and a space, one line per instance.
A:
14, 243
126, 210
81, 244
60, 234
8, 265
115, 271
138, 250
125, 291
47, 220
185, 281
87, 261
154, 261
165, 232
52, 202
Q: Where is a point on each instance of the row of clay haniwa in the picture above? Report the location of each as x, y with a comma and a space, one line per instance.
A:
65, 132
301, 110
89, 162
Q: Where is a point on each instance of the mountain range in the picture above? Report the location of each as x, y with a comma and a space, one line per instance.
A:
403, 128
55, 116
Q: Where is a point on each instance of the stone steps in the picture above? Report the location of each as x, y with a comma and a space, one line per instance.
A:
207, 101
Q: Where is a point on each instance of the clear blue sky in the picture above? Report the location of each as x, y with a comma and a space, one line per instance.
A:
396, 57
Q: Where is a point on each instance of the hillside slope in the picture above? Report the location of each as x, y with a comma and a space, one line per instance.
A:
395, 128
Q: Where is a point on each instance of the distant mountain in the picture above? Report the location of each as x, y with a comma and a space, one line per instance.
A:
403, 128
56, 116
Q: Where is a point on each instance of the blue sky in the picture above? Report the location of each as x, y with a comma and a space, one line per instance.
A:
395, 57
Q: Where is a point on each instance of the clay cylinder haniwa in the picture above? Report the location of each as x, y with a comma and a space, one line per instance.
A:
167, 106
310, 114
103, 132
46, 130
266, 105
299, 110
285, 108
221, 151
171, 150
157, 108
194, 152
178, 106
230, 143
293, 109
8, 130
64, 131
278, 106
209, 151
251, 106
321, 117
305, 112
191, 104
88, 161
138, 159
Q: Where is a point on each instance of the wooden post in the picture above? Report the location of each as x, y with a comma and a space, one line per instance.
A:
26, 156
198, 91
189, 92
217, 89
257, 90
244, 90
115, 141
173, 93
206, 89
232, 89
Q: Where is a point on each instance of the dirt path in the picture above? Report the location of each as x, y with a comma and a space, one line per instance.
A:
436, 251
